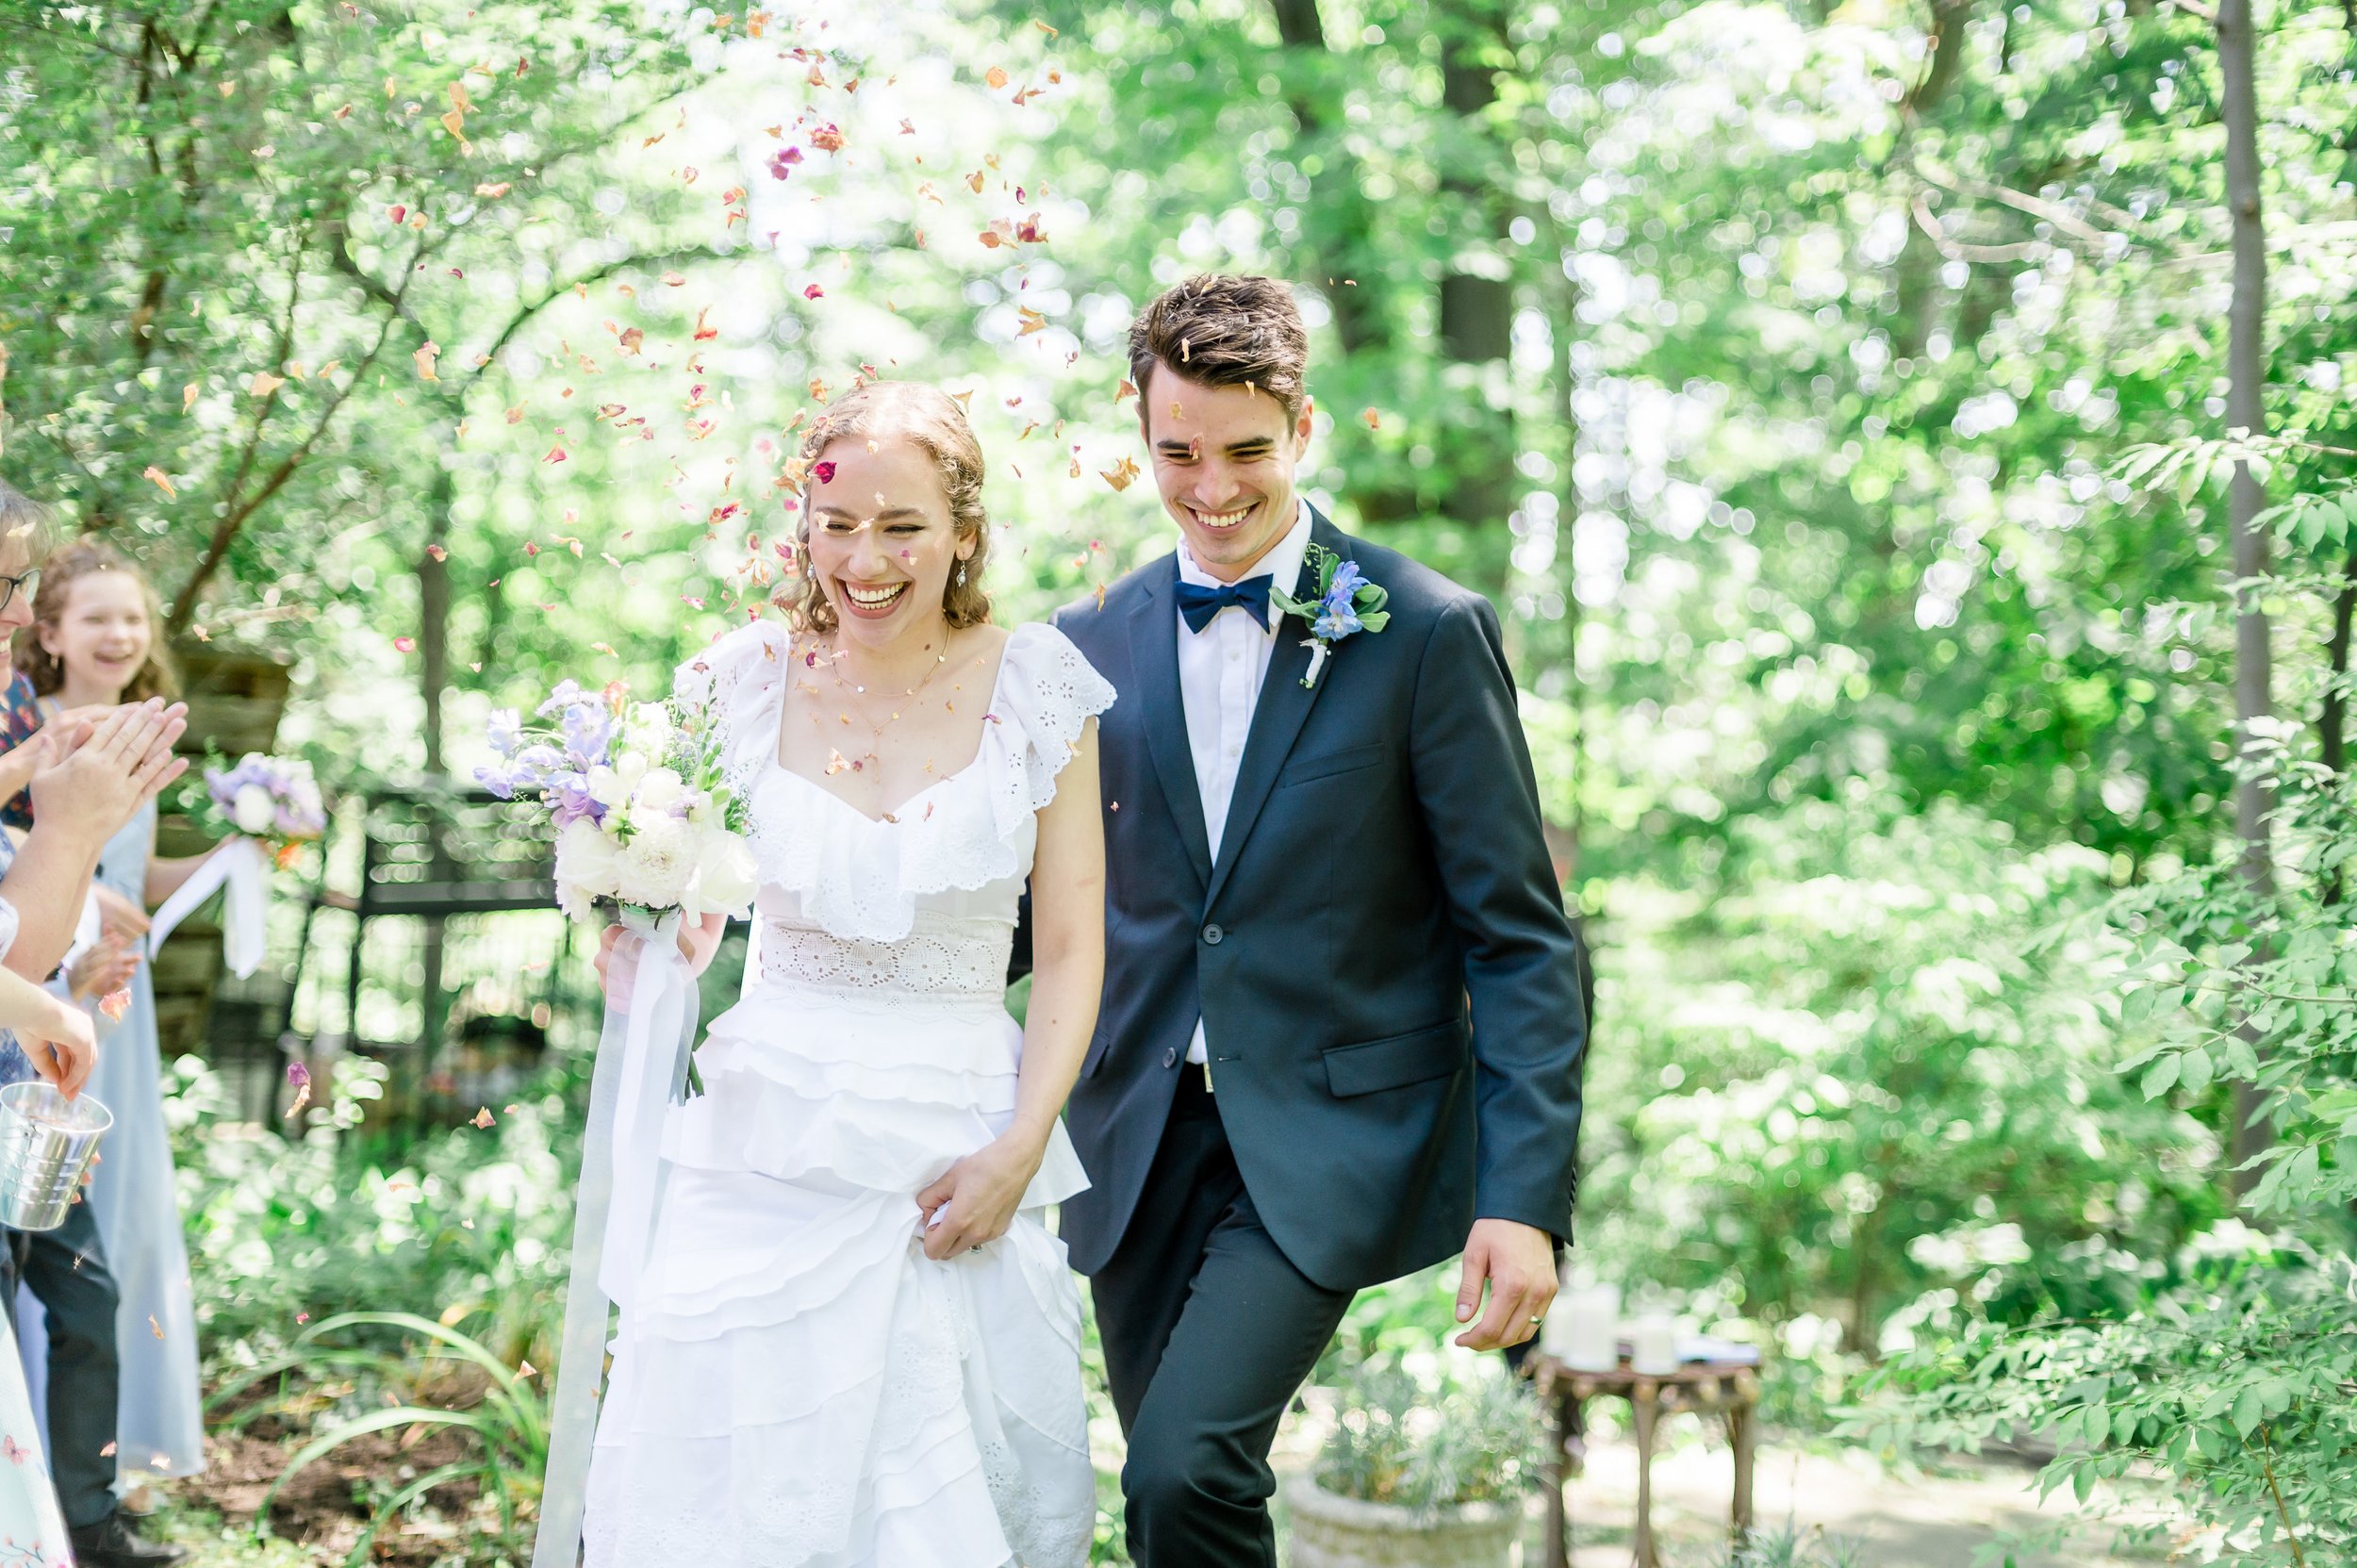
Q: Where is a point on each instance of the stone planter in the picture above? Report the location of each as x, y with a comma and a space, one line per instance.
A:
1342, 1532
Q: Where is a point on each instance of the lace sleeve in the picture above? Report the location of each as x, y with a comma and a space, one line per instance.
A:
717, 674
1050, 691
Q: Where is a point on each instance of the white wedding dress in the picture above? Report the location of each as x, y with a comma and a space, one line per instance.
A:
799, 1384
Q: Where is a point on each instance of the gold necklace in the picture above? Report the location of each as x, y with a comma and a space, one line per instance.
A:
836, 761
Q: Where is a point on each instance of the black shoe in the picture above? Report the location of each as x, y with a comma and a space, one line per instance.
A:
109, 1544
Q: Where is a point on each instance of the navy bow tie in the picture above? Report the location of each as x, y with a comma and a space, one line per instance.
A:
1199, 603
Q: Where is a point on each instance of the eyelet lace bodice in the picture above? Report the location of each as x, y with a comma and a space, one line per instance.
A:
943, 957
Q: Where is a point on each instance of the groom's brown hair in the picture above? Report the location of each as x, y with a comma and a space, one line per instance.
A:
1222, 329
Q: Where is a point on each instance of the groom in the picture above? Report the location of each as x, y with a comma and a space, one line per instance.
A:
1341, 1030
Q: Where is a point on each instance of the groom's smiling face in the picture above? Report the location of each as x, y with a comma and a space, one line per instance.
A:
1224, 459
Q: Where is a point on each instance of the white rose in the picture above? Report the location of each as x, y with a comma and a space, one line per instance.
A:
657, 791
254, 810
629, 767
588, 865
657, 863
726, 878
606, 787
650, 729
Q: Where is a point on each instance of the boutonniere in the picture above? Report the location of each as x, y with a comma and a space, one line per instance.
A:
1345, 603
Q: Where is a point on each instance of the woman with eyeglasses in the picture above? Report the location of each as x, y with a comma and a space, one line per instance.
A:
90, 777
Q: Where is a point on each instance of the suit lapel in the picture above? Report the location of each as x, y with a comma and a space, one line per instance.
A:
1154, 658
1283, 707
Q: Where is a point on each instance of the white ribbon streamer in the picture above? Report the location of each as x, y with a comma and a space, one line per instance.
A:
641, 1068
240, 865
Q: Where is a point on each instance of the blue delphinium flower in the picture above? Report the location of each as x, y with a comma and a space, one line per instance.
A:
1348, 580
589, 731
571, 801
567, 695
506, 731
497, 781
1336, 623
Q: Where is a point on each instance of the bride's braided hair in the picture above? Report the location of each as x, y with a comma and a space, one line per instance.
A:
909, 411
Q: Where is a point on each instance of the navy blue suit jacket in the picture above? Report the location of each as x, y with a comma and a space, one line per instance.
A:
1380, 956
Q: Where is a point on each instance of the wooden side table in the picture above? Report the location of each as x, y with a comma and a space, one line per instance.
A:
1728, 1390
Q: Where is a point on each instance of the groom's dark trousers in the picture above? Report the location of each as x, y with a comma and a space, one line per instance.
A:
1388, 987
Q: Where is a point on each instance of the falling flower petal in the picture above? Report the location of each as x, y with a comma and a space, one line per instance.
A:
115, 1004
162, 480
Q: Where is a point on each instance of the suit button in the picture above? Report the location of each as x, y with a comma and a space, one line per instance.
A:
1212, 934
1170, 1057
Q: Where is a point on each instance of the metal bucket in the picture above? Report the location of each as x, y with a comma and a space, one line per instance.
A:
46, 1143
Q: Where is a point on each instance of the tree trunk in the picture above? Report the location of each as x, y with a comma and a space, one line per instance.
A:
2245, 411
1477, 294
2333, 721
1340, 232
434, 616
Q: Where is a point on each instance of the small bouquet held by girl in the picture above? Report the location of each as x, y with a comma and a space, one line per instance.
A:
274, 800
646, 825
264, 810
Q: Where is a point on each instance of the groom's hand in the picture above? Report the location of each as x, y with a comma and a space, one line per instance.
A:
1517, 1263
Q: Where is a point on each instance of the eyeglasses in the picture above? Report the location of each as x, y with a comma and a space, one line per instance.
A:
11, 586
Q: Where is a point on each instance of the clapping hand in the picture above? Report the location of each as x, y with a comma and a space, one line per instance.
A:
104, 969
120, 919
114, 766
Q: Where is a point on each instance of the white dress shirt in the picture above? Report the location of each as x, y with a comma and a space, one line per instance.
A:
1220, 671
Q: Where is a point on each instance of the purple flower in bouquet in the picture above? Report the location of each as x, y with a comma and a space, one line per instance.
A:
588, 733
567, 695
269, 797
570, 802
506, 731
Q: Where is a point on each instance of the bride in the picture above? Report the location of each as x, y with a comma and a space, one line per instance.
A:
856, 1342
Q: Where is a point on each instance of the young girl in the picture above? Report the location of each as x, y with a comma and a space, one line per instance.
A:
94, 644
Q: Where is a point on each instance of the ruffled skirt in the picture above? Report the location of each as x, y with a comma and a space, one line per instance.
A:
799, 1383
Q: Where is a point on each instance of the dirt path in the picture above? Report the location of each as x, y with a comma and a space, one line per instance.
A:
1893, 1520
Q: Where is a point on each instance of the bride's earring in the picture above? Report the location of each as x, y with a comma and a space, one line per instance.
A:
961, 574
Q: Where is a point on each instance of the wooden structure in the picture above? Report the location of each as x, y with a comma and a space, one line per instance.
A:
235, 702
1726, 1388
431, 851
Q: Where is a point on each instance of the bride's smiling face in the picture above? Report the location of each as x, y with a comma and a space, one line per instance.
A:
880, 543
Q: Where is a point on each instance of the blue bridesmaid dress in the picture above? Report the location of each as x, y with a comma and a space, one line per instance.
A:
159, 1413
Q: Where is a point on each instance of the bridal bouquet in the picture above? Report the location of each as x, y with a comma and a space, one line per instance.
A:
645, 819
272, 800
644, 816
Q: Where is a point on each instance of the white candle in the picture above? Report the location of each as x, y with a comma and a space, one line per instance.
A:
1655, 1345
1588, 1339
